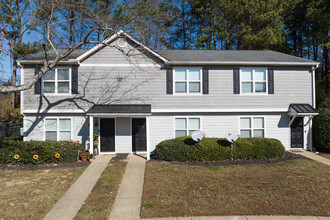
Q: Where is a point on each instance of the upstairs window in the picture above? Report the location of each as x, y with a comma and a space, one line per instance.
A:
57, 129
253, 80
186, 126
57, 81
252, 127
187, 81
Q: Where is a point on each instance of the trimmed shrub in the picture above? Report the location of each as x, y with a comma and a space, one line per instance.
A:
216, 149
13, 138
45, 151
321, 130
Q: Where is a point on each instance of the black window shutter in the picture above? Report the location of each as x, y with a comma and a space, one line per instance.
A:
205, 81
236, 81
169, 81
74, 80
270, 81
37, 85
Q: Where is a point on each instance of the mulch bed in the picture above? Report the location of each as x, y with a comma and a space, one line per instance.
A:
288, 156
33, 167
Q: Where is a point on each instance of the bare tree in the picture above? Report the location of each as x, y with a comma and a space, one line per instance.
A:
92, 20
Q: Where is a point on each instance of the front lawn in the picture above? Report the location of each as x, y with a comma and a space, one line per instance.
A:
293, 187
31, 194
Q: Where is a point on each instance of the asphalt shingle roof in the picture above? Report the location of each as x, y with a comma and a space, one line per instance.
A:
230, 55
201, 56
51, 55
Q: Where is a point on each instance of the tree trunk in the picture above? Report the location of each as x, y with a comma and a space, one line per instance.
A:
71, 27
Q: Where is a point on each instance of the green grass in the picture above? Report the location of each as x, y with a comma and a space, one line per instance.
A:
31, 194
294, 187
99, 203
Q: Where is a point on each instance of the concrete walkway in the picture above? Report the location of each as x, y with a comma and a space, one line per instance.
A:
312, 156
128, 200
262, 217
70, 203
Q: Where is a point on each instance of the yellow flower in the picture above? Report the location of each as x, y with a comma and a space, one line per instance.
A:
35, 156
16, 157
57, 155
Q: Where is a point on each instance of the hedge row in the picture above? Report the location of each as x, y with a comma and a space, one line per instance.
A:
321, 131
216, 149
38, 152
13, 138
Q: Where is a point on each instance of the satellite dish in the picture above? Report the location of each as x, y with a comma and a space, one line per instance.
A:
232, 136
198, 136
122, 42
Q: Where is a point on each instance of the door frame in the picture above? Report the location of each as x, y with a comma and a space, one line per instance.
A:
147, 135
303, 134
99, 131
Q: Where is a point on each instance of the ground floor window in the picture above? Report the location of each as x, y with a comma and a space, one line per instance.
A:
252, 127
57, 129
186, 126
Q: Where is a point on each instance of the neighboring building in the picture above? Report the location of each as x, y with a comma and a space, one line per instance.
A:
136, 97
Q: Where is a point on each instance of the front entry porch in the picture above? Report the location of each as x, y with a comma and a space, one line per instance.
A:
119, 129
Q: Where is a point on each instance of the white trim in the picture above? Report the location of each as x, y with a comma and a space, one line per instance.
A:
56, 81
313, 89
57, 126
274, 110
118, 65
59, 111
187, 81
113, 37
187, 123
148, 138
22, 92
91, 134
252, 127
247, 63
253, 81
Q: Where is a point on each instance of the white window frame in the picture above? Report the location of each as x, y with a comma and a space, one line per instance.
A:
188, 80
58, 126
187, 129
56, 81
252, 126
253, 81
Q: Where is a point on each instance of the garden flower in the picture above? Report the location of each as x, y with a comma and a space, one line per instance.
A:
35, 156
16, 157
57, 155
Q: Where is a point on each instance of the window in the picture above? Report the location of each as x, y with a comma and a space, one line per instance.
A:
186, 126
252, 127
57, 129
187, 81
57, 81
253, 80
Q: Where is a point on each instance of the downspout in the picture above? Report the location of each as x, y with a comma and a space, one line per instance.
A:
314, 105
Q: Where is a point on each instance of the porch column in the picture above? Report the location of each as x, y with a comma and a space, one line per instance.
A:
148, 144
91, 134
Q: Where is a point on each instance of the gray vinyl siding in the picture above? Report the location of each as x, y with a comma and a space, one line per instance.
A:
161, 127
217, 125
34, 127
123, 137
147, 85
116, 55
